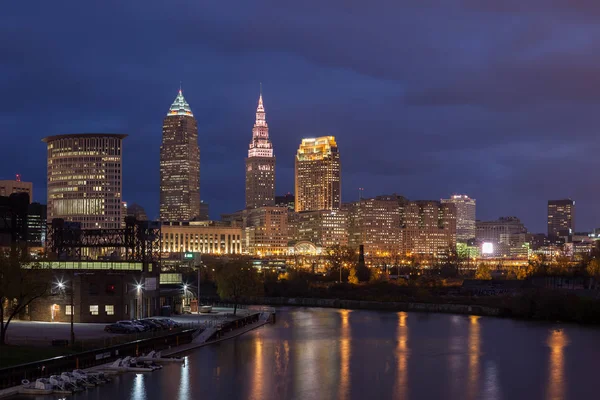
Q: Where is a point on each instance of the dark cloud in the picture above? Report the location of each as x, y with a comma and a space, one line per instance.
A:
496, 99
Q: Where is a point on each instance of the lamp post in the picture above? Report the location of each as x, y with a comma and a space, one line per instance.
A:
185, 286
141, 298
62, 286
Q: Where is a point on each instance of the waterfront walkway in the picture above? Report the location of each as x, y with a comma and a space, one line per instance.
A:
202, 339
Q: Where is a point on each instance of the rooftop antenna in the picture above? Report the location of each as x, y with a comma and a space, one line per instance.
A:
360, 193
18, 178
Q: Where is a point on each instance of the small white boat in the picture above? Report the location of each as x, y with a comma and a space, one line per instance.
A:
97, 378
154, 356
63, 387
40, 386
71, 378
116, 366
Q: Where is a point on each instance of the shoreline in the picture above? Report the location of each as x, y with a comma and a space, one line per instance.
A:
172, 350
444, 308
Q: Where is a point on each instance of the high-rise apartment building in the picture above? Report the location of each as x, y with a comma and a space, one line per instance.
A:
8, 187
465, 216
179, 164
318, 175
561, 217
429, 227
84, 179
260, 164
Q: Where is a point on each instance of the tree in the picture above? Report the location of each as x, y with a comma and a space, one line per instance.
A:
19, 287
593, 270
483, 272
352, 277
339, 257
237, 280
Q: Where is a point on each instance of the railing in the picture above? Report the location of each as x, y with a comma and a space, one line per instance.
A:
12, 376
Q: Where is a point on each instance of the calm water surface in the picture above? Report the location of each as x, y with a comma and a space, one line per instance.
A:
313, 353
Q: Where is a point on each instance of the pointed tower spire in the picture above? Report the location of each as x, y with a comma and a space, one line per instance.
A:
180, 106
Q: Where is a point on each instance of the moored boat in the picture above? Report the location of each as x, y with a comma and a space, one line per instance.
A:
40, 386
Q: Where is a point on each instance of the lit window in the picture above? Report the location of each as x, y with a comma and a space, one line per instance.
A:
68, 310
110, 310
94, 310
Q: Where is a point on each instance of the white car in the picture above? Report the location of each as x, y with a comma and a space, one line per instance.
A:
139, 328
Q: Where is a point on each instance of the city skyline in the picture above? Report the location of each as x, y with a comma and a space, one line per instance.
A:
425, 139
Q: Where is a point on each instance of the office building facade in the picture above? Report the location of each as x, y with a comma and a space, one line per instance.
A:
266, 231
429, 228
324, 228
465, 217
8, 187
84, 179
206, 237
493, 231
561, 218
179, 164
318, 175
376, 224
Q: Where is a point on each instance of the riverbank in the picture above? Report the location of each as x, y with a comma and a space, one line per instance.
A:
380, 306
536, 305
171, 343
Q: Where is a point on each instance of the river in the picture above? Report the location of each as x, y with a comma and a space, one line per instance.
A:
313, 353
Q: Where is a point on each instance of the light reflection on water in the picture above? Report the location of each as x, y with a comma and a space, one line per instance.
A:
345, 353
338, 354
557, 341
138, 391
474, 349
184, 383
258, 376
401, 387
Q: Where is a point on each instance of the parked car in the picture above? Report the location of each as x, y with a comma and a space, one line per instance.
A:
161, 323
140, 328
120, 328
171, 323
151, 326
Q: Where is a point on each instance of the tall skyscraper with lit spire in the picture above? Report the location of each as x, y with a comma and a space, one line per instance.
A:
260, 164
179, 164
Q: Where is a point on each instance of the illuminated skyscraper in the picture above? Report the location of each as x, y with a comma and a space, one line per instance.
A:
465, 216
318, 178
561, 217
260, 164
179, 164
84, 179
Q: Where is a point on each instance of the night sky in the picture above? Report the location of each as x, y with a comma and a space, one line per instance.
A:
498, 100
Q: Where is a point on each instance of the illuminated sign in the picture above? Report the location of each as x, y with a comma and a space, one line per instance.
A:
188, 255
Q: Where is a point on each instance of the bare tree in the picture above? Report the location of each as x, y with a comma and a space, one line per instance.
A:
20, 285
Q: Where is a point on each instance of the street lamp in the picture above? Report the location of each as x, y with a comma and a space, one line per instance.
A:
61, 285
140, 299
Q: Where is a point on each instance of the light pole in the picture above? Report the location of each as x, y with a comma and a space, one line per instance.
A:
62, 286
141, 298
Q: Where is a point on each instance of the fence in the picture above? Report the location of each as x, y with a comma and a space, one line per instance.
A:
12, 376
